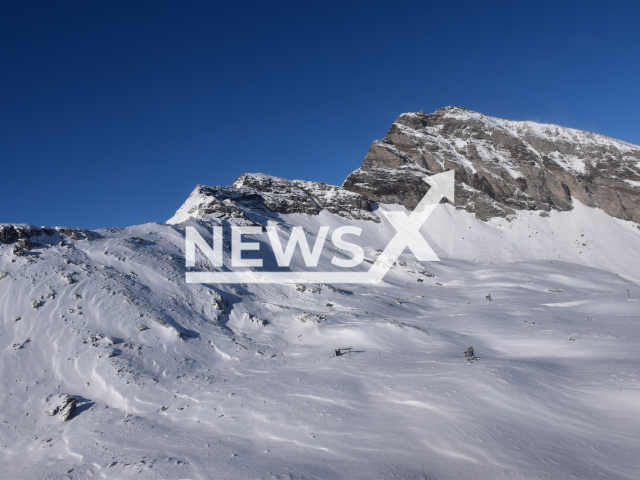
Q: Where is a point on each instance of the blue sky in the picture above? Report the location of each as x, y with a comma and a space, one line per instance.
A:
111, 112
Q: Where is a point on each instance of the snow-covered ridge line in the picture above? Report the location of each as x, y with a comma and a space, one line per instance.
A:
545, 130
260, 194
504, 165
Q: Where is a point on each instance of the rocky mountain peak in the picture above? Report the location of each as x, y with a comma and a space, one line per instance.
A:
265, 195
501, 165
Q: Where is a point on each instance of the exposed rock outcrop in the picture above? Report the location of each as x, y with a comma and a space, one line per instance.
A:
339, 201
65, 408
501, 165
253, 193
28, 236
11, 233
277, 194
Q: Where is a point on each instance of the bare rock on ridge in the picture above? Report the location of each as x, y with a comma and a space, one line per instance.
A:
253, 193
501, 165
279, 195
28, 235
339, 201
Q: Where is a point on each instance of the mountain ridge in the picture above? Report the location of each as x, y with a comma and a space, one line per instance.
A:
501, 165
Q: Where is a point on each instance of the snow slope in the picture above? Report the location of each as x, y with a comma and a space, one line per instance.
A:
241, 381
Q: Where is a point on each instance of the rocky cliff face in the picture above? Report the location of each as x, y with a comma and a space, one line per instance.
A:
253, 193
27, 237
501, 166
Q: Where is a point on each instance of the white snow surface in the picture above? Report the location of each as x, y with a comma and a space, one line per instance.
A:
241, 381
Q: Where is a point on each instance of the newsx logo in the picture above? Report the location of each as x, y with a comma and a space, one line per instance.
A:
283, 256
407, 235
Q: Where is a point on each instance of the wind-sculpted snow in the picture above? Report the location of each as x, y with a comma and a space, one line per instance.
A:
176, 380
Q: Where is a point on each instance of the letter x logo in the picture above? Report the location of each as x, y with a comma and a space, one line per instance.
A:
408, 227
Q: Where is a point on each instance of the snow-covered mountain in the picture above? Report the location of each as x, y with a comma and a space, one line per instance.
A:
501, 166
177, 380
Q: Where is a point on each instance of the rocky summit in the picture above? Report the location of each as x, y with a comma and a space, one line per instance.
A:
253, 193
501, 165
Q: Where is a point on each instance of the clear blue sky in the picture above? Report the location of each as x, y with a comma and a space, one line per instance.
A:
111, 112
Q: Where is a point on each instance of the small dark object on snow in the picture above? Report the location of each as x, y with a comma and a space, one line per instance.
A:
66, 408
488, 297
469, 355
53, 412
343, 350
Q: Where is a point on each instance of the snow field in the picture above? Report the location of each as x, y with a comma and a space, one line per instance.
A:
249, 386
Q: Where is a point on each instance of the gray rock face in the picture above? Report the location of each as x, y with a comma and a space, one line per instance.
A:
338, 201
65, 408
219, 203
257, 192
403, 185
28, 236
11, 233
279, 195
501, 165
